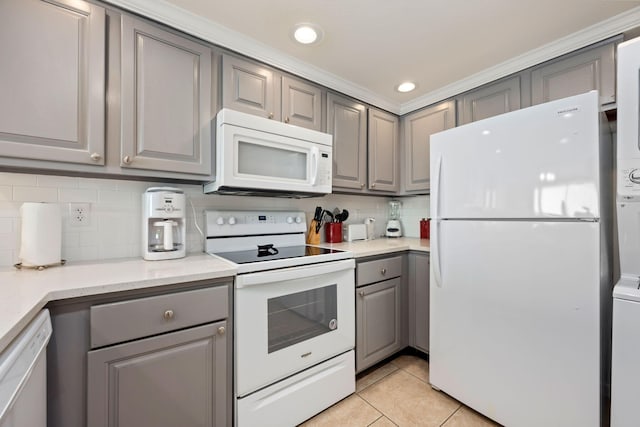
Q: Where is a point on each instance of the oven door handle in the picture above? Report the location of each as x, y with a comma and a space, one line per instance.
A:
293, 273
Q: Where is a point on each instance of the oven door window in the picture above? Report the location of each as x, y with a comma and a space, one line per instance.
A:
294, 318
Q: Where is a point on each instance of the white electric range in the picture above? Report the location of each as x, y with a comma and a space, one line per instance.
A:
294, 316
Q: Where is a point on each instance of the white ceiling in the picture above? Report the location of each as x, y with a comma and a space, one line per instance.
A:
370, 46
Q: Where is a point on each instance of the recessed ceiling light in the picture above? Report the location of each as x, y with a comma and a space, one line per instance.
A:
307, 33
406, 87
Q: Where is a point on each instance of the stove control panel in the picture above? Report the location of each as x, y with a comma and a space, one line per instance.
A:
231, 223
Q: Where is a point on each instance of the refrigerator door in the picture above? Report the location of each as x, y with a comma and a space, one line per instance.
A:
540, 162
515, 323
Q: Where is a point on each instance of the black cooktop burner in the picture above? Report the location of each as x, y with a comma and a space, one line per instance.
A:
270, 252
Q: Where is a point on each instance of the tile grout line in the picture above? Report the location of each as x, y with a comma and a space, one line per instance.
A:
376, 420
377, 409
452, 414
379, 379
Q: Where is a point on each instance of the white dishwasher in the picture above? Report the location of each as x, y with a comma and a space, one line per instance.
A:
23, 376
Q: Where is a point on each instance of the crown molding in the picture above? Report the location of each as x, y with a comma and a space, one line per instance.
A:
205, 29
183, 20
590, 35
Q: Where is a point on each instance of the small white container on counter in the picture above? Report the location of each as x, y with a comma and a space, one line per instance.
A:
351, 232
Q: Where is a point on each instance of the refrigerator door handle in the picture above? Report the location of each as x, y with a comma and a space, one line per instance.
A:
437, 272
436, 201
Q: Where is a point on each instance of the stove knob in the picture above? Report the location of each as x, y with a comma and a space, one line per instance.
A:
289, 220
298, 220
232, 220
220, 221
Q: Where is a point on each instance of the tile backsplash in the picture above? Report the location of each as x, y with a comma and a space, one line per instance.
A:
113, 229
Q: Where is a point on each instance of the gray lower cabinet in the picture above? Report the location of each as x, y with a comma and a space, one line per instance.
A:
383, 151
52, 81
347, 122
492, 99
380, 330
166, 100
143, 358
589, 69
253, 88
417, 128
176, 379
418, 280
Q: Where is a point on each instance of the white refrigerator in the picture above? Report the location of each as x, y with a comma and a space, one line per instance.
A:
520, 288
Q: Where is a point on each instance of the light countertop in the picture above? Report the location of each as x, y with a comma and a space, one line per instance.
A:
23, 293
381, 246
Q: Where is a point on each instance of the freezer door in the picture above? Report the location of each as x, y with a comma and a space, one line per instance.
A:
539, 162
514, 329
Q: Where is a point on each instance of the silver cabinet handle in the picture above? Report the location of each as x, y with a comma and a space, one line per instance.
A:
286, 119
373, 184
126, 160
383, 271
271, 115
361, 293
221, 330
168, 315
96, 157
361, 185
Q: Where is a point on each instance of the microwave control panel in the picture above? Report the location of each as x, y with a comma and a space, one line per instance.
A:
324, 168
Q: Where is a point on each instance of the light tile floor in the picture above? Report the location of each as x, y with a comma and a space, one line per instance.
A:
398, 394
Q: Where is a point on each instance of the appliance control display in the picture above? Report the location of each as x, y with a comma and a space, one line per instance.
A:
630, 179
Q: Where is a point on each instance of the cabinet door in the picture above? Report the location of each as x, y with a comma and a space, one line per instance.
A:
490, 100
593, 69
249, 87
378, 323
176, 379
301, 103
166, 100
347, 122
383, 151
52, 80
419, 301
418, 128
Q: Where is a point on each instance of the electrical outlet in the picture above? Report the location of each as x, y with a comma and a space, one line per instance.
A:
79, 214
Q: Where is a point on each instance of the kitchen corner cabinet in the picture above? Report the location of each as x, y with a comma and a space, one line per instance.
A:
417, 128
52, 81
347, 122
592, 68
379, 323
418, 282
166, 100
256, 89
492, 99
383, 150
143, 358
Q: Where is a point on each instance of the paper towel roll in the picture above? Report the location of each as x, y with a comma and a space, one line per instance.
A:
41, 237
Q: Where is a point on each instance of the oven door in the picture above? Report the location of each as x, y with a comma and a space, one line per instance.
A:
254, 159
290, 319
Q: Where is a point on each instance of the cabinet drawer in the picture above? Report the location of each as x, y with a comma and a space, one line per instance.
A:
132, 319
375, 271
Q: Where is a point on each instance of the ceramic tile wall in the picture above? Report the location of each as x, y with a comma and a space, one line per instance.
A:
114, 226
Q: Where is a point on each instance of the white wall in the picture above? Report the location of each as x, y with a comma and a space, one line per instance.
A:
114, 227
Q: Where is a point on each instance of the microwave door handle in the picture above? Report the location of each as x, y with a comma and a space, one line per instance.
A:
315, 158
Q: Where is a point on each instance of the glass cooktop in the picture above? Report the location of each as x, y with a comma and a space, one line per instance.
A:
270, 253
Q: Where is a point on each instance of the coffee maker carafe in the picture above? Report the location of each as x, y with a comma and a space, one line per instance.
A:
163, 223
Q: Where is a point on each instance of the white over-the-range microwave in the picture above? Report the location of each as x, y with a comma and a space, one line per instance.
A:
258, 156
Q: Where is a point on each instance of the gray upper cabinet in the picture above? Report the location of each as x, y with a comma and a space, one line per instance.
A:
347, 122
590, 69
301, 103
417, 129
383, 151
490, 100
166, 100
252, 88
418, 278
52, 80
